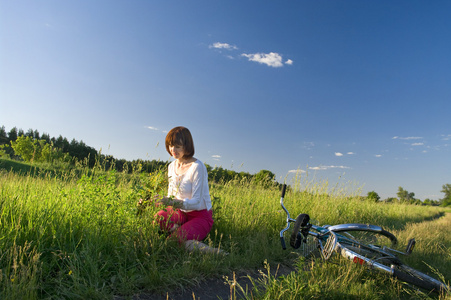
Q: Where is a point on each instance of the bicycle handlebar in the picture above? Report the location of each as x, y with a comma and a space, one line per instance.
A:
282, 239
301, 221
284, 187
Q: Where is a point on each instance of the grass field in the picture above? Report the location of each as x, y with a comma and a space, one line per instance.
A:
75, 234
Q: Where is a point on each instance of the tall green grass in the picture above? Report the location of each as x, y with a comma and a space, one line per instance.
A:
76, 235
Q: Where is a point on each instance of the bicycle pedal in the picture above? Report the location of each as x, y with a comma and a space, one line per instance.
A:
410, 246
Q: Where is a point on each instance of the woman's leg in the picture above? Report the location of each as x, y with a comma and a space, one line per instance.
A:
196, 229
197, 226
192, 245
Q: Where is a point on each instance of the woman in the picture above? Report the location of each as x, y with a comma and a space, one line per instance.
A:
188, 216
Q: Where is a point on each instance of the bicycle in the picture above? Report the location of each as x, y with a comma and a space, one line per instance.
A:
363, 244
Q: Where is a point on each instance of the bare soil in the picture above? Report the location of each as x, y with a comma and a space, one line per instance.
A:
217, 288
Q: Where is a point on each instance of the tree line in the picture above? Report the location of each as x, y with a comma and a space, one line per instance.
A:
404, 196
31, 146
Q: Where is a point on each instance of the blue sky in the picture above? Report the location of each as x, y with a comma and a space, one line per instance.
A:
356, 93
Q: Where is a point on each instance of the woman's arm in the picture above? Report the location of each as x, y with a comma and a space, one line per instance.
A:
199, 184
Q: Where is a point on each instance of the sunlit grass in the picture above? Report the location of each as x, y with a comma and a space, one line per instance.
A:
75, 234
432, 252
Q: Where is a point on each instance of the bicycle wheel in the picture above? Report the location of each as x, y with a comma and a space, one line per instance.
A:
385, 262
366, 234
419, 279
296, 238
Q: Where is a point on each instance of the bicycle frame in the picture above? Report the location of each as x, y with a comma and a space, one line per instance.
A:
324, 234
319, 231
330, 241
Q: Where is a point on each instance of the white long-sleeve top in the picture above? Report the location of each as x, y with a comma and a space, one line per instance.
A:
191, 187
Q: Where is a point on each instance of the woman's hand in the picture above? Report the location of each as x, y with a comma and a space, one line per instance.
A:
156, 198
171, 202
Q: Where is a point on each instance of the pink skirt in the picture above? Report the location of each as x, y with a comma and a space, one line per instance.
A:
193, 225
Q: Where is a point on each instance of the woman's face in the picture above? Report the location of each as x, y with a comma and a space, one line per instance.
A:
176, 151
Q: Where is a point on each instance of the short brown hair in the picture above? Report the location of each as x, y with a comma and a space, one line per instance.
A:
180, 136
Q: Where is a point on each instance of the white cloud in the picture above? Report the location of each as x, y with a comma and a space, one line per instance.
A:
216, 157
156, 129
378, 155
297, 171
271, 59
407, 138
323, 168
418, 144
341, 154
319, 168
219, 45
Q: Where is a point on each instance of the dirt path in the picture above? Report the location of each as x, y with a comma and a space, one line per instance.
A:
220, 287
217, 288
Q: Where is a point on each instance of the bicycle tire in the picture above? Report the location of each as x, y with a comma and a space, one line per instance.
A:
419, 279
366, 234
390, 264
296, 238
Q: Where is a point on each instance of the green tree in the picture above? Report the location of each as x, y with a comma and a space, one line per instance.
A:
24, 146
31, 149
61, 143
12, 134
3, 136
36, 135
244, 175
265, 177
390, 200
46, 137
427, 201
30, 133
405, 196
373, 196
3, 151
48, 152
446, 189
